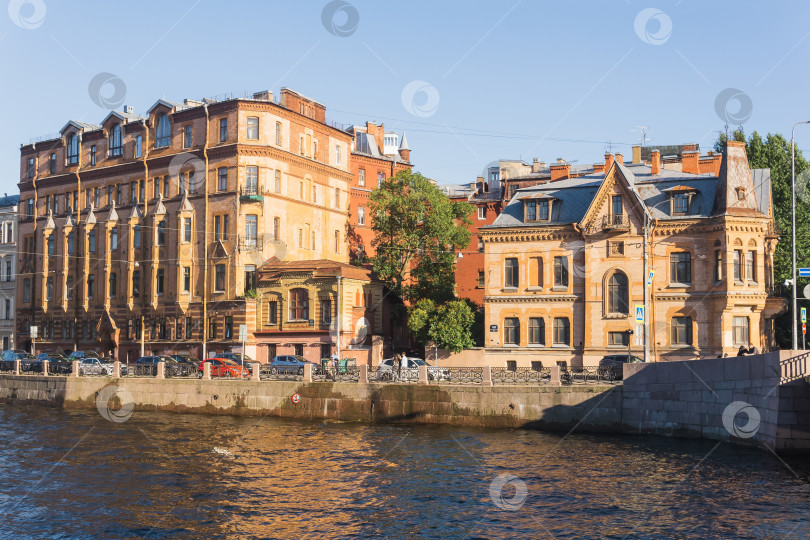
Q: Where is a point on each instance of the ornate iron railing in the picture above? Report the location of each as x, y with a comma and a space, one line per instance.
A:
589, 374
795, 368
181, 371
521, 375
139, 370
460, 375
387, 374
6, 366
616, 222
59, 368
280, 373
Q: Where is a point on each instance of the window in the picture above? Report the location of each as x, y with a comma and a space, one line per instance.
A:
278, 133
480, 245
740, 331
156, 190
159, 281
301, 145
680, 203
51, 246
680, 267
542, 210
482, 212
326, 311
69, 288
186, 230
225, 227
113, 285
212, 327
165, 187
186, 279
187, 137
337, 197
511, 331
163, 134
136, 283
750, 265
49, 289
219, 281
217, 227
361, 216
181, 183
138, 146
337, 155
272, 312
380, 179
299, 304
481, 279
91, 285
29, 208
718, 265
8, 309
71, 241
511, 273
223, 129
737, 265
133, 192
616, 206
250, 277
96, 198
618, 301
276, 228
681, 330
562, 331
253, 128
222, 177
531, 211
91, 241
251, 230
361, 177
73, 149
114, 239
619, 338
30, 167
110, 195
136, 236
8, 271
93, 155
27, 290
228, 327
277, 181
116, 147
161, 233
537, 331
52, 163
251, 180
561, 271
189, 327
337, 241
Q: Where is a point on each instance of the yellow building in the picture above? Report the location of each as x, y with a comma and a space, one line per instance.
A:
567, 264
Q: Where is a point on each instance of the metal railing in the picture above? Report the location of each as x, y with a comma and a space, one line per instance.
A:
616, 222
590, 374
249, 243
181, 371
521, 375
138, 370
387, 374
281, 373
457, 375
795, 368
249, 191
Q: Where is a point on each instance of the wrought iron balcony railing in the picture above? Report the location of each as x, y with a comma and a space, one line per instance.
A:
616, 222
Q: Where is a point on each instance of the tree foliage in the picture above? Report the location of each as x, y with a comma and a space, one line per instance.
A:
448, 325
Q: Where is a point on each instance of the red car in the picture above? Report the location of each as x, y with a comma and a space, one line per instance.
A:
222, 367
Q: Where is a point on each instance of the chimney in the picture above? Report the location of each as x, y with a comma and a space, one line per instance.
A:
378, 132
656, 162
598, 167
264, 95
689, 161
608, 161
689, 147
537, 165
560, 171
619, 158
637, 154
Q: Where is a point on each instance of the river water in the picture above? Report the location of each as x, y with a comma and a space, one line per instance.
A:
73, 474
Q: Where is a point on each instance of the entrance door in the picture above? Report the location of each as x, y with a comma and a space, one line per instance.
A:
299, 349
326, 350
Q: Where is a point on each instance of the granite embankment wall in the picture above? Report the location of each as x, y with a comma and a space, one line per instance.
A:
742, 400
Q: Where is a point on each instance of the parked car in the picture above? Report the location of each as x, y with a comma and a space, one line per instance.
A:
94, 366
241, 359
57, 363
184, 358
612, 366
27, 361
222, 367
289, 364
78, 355
410, 370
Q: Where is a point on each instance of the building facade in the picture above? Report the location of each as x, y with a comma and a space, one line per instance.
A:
8, 268
569, 262
146, 232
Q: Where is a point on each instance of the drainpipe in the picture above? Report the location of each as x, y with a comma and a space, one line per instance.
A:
152, 235
647, 287
76, 258
339, 315
33, 248
204, 323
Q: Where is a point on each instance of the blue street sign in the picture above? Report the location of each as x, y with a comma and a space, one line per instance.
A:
804, 272
804, 315
639, 314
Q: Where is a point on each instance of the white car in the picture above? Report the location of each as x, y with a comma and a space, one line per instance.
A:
94, 366
409, 370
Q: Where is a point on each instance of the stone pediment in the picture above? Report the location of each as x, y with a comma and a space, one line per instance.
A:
113, 215
49, 224
135, 213
159, 208
91, 217
219, 251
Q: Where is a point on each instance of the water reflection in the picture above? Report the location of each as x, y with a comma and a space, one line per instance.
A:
73, 474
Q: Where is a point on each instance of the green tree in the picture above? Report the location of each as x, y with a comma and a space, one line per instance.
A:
448, 325
417, 232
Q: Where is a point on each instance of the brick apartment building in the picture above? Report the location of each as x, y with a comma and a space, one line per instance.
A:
152, 227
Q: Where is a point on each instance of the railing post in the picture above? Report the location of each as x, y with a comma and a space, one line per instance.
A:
16, 367
486, 376
554, 379
45, 367
255, 374
308, 372
161, 370
75, 370
207, 371
423, 378
117, 369
363, 374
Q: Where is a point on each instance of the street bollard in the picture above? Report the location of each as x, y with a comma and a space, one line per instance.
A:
486, 376
308, 372
207, 371
554, 372
75, 369
45, 367
255, 374
117, 369
423, 378
363, 374
16, 367
161, 370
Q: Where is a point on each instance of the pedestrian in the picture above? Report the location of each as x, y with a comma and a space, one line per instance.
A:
335, 362
742, 351
395, 367
402, 360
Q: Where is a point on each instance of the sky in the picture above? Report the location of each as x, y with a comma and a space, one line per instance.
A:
468, 82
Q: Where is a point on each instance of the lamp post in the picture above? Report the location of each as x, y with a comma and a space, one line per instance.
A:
793, 228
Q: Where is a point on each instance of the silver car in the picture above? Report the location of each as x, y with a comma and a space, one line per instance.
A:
409, 370
94, 366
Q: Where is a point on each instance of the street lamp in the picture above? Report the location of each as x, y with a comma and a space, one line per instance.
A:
793, 231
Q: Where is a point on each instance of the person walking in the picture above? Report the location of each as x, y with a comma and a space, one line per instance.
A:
335, 363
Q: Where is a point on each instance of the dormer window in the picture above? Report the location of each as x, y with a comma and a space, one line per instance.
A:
536, 210
72, 149
163, 132
740, 194
680, 204
116, 146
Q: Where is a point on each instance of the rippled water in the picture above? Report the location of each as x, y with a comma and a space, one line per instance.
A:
68, 474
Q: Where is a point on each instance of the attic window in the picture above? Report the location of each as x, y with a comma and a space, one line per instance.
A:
536, 210
740, 194
680, 203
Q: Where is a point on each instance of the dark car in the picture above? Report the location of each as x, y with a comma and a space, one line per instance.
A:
27, 361
57, 363
186, 359
241, 359
612, 366
288, 364
222, 367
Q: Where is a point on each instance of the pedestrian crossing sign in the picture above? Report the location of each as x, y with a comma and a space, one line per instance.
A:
640, 314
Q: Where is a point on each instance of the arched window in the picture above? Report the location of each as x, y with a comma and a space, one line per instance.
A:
73, 149
299, 304
116, 146
618, 294
163, 131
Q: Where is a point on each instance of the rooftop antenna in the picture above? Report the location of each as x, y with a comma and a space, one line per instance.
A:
643, 130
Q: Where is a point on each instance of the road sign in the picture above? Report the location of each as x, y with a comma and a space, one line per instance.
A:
639, 313
296, 398
807, 291
493, 327
804, 272
650, 278
242, 332
804, 315
34, 331
804, 328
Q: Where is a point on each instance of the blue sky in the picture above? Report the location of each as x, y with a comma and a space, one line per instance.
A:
499, 80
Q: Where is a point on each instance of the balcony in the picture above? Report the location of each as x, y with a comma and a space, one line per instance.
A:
616, 222
250, 193
249, 243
